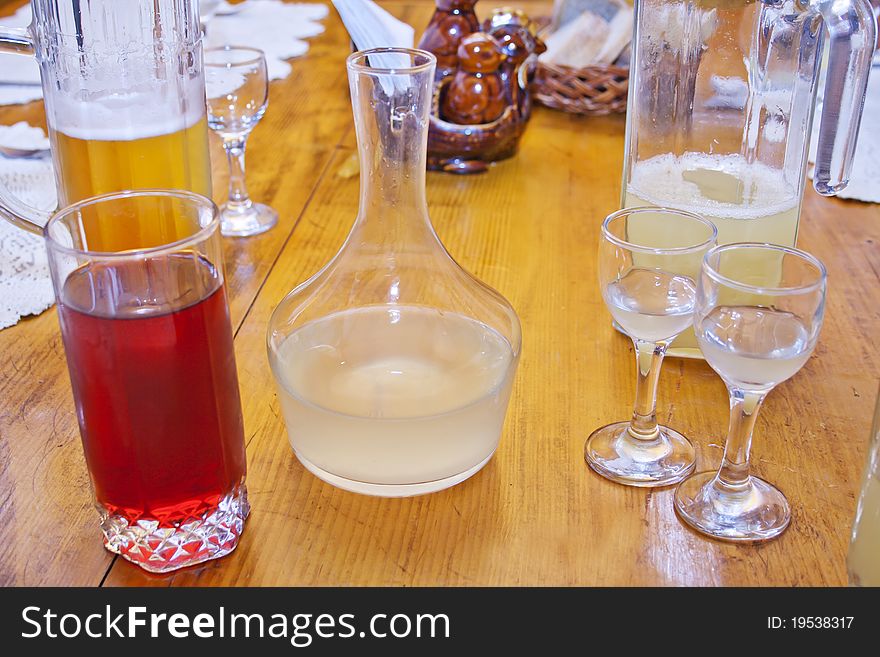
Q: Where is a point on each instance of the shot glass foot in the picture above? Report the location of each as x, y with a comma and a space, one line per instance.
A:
253, 219
613, 452
755, 511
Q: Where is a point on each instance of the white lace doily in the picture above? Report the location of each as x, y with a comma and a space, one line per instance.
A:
276, 27
25, 286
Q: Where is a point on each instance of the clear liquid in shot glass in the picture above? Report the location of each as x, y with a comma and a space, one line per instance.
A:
754, 348
650, 304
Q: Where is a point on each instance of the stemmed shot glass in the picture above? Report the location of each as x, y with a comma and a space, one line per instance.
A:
237, 85
648, 261
756, 327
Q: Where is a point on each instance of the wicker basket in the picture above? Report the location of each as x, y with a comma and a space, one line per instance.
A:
593, 90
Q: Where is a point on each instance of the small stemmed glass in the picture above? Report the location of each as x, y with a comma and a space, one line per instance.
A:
756, 327
648, 261
237, 86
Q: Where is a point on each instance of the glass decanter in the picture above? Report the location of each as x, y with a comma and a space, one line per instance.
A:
394, 366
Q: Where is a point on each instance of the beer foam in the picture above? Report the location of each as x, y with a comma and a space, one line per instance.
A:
125, 117
662, 180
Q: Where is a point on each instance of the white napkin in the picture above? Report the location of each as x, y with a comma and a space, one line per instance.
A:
23, 135
370, 26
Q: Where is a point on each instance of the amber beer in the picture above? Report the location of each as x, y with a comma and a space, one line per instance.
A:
110, 159
124, 92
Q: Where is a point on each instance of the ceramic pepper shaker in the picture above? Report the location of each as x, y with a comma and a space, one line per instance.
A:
476, 93
452, 21
517, 35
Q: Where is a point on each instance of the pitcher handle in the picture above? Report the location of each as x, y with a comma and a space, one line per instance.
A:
19, 40
16, 40
852, 35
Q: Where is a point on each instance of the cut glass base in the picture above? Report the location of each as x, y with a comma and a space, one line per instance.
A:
160, 549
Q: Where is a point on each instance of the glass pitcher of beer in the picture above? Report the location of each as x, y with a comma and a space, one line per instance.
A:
720, 112
124, 93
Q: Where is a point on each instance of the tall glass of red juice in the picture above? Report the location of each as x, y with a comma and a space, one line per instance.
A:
142, 304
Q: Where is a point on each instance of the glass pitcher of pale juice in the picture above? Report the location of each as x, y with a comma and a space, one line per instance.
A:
720, 110
124, 92
863, 562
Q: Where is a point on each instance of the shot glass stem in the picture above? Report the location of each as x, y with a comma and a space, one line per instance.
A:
744, 406
649, 359
238, 195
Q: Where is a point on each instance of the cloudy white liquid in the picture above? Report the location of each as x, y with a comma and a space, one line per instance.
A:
394, 395
651, 305
754, 348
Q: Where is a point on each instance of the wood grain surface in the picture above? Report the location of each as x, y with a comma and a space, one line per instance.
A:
535, 515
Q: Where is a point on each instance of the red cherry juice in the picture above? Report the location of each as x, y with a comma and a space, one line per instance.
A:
149, 349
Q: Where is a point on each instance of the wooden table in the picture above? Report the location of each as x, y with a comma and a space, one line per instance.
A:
535, 515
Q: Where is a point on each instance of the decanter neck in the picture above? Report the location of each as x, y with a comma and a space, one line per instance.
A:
392, 163
391, 112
